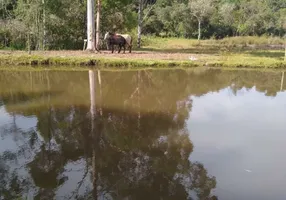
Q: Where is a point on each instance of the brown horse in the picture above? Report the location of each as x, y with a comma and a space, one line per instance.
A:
127, 38
113, 39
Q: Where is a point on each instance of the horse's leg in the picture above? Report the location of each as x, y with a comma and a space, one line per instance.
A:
119, 49
112, 48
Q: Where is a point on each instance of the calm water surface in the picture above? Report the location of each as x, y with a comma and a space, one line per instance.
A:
154, 134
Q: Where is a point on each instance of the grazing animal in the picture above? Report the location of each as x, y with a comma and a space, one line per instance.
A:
128, 39
113, 39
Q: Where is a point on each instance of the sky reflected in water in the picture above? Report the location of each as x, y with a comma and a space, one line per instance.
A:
241, 139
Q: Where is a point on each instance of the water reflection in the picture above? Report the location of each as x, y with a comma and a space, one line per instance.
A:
126, 152
243, 142
108, 135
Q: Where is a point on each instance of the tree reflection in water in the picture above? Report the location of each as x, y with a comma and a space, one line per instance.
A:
137, 150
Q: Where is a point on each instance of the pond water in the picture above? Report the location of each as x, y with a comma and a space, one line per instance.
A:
149, 134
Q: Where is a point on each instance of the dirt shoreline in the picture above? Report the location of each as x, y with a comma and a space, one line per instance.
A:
137, 59
149, 55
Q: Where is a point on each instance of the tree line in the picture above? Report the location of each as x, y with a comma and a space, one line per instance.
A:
62, 24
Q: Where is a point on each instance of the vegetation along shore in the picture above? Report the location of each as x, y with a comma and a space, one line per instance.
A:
239, 52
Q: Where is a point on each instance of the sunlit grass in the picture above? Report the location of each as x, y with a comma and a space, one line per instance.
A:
178, 43
235, 52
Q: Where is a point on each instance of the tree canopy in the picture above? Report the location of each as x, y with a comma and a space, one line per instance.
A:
61, 24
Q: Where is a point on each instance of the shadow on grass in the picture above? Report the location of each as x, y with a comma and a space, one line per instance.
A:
218, 50
269, 54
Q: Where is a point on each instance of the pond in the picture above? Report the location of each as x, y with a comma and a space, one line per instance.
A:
148, 134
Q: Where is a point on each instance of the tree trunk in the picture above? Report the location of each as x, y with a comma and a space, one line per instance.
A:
140, 9
29, 42
199, 29
98, 24
44, 26
90, 26
37, 18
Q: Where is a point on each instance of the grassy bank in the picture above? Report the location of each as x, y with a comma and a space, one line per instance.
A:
239, 52
88, 61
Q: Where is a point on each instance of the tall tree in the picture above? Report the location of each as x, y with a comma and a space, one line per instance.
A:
98, 15
201, 9
90, 26
283, 22
140, 10
141, 5
44, 25
30, 15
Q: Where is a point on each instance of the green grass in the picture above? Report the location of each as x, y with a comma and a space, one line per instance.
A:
235, 52
42, 61
181, 43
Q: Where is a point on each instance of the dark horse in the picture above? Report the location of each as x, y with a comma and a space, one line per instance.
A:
113, 39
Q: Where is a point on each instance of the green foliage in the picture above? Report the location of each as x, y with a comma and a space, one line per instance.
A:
61, 24
228, 18
58, 24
